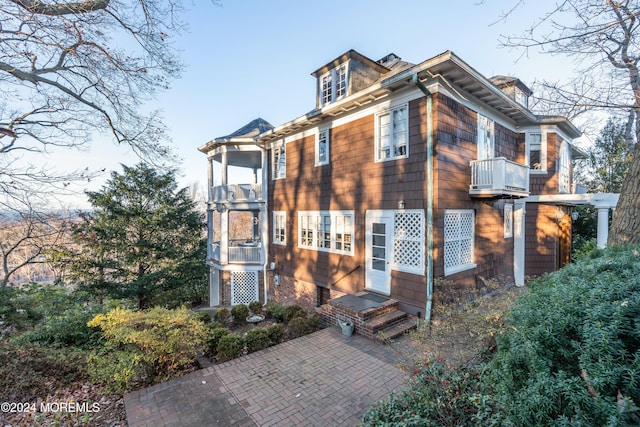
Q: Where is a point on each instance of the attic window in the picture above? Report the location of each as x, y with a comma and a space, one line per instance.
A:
521, 97
333, 84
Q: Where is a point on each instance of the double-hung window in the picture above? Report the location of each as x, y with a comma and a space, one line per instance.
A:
327, 231
459, 240
537, 152
392, 134
333, 84
486, 138
322, 147
279, 161
279, 228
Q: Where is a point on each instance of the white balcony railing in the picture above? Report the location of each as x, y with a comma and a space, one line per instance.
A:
239, 252
233, 192
498, 176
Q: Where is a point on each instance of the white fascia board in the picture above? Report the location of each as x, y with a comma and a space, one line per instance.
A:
601, 200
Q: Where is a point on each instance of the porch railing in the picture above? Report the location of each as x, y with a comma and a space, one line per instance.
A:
492, 177
234, 192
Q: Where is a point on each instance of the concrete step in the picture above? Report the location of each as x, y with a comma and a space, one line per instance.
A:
384, 321
397, 330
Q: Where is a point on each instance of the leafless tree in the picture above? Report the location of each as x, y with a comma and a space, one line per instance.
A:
73, 69
26, 240
603, 39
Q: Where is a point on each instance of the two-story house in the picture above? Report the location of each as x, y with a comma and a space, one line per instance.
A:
402, 175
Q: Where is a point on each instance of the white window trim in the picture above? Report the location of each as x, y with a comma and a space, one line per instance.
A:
333, 76
521, 98
564, 167
508, 220
462, 267
283, 216
328, 148
491, 126
389, 111
275, 172
315, 243
543, 152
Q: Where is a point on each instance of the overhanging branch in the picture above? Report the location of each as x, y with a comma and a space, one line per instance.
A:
71, 8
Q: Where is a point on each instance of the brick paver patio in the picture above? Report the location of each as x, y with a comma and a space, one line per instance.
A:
321, 379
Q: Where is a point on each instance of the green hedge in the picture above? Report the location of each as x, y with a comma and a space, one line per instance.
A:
572, 354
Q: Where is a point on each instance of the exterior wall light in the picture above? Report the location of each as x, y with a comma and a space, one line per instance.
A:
401, 204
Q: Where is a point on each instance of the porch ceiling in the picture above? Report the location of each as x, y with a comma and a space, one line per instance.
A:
242, 159
599, 200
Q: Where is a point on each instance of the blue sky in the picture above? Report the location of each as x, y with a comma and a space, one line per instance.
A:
249, 59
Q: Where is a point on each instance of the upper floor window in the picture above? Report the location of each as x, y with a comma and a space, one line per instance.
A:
279, 161
333, 84
536, 144
392, 135
279, 228
564, 168
486, 138
322, 147
521, 98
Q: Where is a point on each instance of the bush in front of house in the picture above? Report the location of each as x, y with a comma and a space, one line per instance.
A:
255, 307
257, 339
240, 313
299, 326
276, 333
222, 315
274, 310
229, 347
160, 341
572, 353
436, 396
213, 337
293, 311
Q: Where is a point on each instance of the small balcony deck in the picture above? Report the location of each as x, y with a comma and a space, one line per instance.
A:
240, 252
498, 177
236, 192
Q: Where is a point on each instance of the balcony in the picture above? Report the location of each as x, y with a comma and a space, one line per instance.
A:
240, 252
498, 177
236, 192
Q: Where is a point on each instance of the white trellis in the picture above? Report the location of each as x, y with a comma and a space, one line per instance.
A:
244, 287
408, 241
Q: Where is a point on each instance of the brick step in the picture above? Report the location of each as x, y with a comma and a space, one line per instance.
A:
397, 330
384, 321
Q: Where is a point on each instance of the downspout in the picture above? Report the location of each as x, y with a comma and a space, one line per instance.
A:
429, 272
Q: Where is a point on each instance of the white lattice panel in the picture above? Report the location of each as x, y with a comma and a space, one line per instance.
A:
244, 287
408, 240
458, 238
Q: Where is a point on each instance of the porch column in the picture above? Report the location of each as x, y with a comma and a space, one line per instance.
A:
518, 242
224, 170
210, 178
603, 227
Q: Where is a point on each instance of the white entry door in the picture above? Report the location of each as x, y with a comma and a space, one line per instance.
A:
379, 232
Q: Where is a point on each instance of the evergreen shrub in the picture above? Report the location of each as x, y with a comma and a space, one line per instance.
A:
229, 347
240, 313
572, 353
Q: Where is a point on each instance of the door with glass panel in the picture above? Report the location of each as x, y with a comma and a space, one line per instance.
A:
378, 252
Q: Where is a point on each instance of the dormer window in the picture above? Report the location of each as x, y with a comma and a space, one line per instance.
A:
521, 97
333, 84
